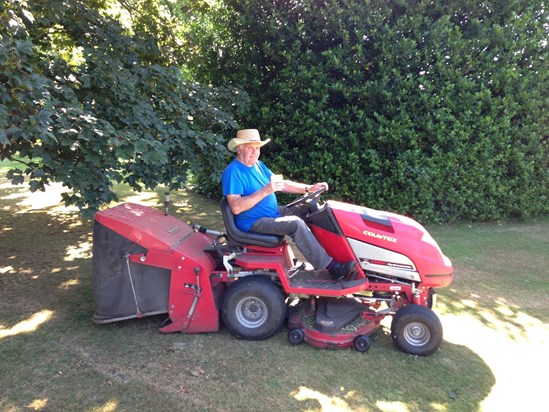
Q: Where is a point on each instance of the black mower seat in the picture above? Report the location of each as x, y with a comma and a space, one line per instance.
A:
237, 237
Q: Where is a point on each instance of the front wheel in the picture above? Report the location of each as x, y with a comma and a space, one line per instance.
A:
416, 330
362, 343
296, 336
253, 308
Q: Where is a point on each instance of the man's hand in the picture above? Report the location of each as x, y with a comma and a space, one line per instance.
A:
276, 186
318, 186
240, 203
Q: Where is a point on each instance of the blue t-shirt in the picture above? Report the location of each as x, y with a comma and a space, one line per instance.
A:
239, 179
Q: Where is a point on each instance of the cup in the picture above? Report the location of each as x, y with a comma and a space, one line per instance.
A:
276, 178
278, 182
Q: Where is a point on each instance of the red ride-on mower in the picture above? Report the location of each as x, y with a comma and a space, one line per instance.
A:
146, 262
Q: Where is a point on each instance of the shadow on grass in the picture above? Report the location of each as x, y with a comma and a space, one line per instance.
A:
130, 365
496, 313
54, 358
500, 275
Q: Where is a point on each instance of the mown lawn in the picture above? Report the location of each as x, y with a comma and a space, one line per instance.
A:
53, 358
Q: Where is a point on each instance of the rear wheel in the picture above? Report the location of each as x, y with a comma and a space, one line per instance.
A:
253, 308
416, 330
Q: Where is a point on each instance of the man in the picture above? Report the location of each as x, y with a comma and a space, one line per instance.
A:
250, 192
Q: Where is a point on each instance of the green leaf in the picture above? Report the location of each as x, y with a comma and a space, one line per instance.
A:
3, 138
17, 180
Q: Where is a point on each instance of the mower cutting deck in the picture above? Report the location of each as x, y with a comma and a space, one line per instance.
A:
146, 262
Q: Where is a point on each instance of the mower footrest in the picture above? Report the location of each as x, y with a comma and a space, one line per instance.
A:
321, 279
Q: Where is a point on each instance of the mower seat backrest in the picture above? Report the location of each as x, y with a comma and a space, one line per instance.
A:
237, 237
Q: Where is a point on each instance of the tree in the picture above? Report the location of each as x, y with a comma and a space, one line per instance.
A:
87, 102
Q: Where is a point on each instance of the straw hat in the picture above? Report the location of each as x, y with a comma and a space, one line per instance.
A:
246, 136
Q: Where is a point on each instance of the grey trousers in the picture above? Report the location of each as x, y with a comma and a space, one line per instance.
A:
291, 223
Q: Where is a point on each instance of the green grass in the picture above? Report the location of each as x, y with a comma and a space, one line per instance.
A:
6, 165
53, 358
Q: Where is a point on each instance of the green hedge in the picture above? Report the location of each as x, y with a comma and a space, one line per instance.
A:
437, 111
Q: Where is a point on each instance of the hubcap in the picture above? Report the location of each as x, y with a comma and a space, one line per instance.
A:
417, 334
251, 312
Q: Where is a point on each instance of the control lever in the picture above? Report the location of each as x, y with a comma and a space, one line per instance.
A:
166, 202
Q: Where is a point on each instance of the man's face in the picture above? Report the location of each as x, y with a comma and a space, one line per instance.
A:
249, 153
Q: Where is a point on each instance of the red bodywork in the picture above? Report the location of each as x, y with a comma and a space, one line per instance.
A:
197, 283
404, 236
173, 245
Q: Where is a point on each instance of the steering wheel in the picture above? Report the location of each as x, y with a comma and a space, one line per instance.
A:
306, 198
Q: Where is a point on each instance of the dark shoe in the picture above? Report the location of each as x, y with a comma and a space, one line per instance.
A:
341, 270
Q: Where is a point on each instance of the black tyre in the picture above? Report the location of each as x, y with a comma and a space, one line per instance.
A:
253, 308
296, 336
362, 343
416, 330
